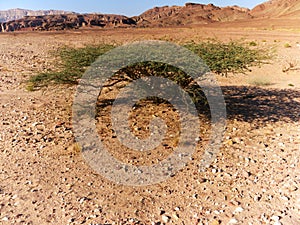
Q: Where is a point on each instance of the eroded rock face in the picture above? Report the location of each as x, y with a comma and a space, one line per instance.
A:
277, 8
191, 13
166, 16
15, 14
63, 22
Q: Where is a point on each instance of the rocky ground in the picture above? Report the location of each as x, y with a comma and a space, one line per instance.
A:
45, 180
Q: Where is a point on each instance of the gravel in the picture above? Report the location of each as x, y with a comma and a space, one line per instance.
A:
44, 179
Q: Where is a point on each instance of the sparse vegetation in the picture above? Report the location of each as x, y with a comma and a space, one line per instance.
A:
74, 61
222, 58
260, 82
287, 45
252, 43
232, 57
291, 64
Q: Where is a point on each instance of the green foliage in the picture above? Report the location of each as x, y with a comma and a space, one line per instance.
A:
144, 69
260, 82
232, 57
287, 45
74, 62
221, 58
252, 43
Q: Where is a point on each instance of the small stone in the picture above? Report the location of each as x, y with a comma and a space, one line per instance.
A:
236, 140
5, 218
257, 198
246, 173
285, 198
230, 142
40, 127
238, 210
275, 218
215, 222
233, 221
82, 200
293, 188
202, 180
131, 220
14, 197
165, 218
280, 144
176, 216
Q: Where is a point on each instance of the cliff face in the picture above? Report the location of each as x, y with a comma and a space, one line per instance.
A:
15, 14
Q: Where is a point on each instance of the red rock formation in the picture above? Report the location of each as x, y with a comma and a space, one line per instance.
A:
277, 8
63, 22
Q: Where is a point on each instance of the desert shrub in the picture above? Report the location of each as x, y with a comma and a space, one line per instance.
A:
287, 45
232, 57
144, 69
252, 43
74, 62
221, 58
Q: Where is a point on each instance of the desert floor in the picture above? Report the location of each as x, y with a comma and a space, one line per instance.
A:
254, 180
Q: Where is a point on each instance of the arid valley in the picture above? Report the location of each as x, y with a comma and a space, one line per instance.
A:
255, 178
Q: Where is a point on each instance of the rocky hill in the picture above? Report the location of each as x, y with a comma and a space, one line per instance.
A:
15, 14
63, 22
191, 13
278, 8
166, 16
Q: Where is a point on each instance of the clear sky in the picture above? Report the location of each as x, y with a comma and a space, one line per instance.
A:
129, 7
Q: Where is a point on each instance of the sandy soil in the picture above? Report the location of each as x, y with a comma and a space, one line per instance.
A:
254, 180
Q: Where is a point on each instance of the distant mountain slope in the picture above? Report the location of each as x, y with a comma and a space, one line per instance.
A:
14, 14
191, 13
277, 8
166, 16
63, 22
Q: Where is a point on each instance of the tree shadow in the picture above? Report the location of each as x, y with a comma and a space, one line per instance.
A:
262, 105
244, 103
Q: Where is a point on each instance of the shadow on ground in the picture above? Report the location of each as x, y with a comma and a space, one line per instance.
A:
258, 104
249, 104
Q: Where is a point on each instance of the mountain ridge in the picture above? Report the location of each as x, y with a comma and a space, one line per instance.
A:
165, 16
191, 13
277, 8
18, 13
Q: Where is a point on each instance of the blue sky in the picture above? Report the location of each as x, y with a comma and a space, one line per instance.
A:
129, 7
